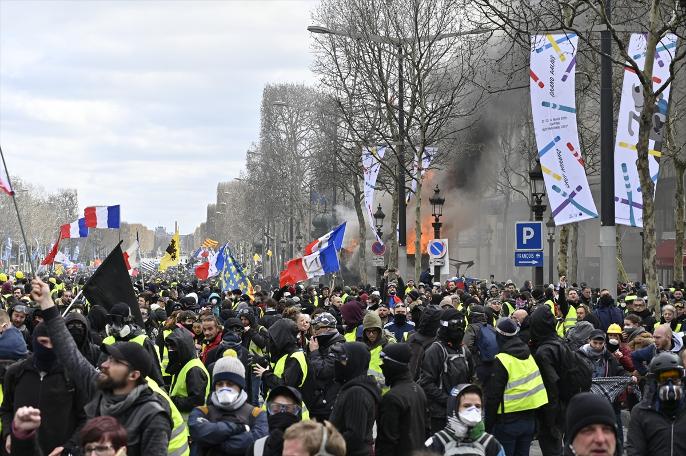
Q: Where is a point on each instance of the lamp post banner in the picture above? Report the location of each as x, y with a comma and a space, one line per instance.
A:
553, 107
371, 164
628, 199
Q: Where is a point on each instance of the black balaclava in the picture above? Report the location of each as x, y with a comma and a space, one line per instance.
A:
78, 332
43, 357
357, 362
400, 319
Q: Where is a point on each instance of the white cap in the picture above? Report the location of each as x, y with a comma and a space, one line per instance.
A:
376, 293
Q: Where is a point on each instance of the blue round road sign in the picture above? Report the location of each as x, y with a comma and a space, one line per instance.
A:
378, 248
437, 248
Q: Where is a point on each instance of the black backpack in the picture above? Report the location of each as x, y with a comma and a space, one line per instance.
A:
575, 372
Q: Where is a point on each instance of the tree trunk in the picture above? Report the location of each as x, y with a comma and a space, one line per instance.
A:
647, 185
418, 226
679, 221
562, 249
621, 272
393, 235
503, 240
362, 223
572, 272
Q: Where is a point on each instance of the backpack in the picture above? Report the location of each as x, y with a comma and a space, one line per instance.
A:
451, 363
486, 343
575, 372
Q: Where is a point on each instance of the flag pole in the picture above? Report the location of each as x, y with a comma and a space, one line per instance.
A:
140, 261
16, 207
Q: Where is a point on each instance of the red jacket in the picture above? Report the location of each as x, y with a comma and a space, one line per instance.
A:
207, 347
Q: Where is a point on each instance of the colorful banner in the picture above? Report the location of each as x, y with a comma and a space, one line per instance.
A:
628, 199
371, 164
553, 106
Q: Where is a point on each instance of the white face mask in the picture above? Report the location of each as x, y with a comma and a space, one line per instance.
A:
227, 396
470, 416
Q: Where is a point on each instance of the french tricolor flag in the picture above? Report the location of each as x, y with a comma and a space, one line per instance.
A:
334, 237
102, 216
74, 229
323, 261
5, 186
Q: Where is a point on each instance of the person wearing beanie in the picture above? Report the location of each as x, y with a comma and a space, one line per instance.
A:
352, 315
40, 381
591, 428
284, 409
514, 392
658, 421
321, 395
354, 412
375, 338
228, 424
464, 432
401, 423
428, 322
447, 362
119, 389
480, 340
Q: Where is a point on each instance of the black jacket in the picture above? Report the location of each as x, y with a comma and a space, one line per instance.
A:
355, 409
647, 319
422, 338
87, 348
495, 387
255, 333
196, 378
653, 432
54, 393
546, 350
436, 382
402, 418
321, 389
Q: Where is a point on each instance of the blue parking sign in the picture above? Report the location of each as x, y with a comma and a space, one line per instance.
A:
529, 236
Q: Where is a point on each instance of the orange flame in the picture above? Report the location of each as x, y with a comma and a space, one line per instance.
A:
427, 235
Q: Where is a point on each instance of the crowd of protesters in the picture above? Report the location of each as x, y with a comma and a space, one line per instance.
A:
405, 368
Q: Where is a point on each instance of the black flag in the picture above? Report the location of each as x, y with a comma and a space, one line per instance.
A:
111, 284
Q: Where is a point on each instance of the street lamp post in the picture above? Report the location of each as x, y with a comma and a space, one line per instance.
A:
488, 237
550, 225
538, 208
283, 250
437, 200
378, 223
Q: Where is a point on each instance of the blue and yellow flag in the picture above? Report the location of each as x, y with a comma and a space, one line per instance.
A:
232, 275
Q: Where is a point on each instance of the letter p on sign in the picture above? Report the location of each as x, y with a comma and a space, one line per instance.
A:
529, 236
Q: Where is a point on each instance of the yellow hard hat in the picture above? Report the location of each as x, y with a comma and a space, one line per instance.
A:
19, 275
614, 329
3, 277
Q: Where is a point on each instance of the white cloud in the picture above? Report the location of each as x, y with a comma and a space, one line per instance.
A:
145, 104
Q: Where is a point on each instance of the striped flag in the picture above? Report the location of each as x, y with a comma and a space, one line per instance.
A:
210, 244
74, 229
102, 216
5, 186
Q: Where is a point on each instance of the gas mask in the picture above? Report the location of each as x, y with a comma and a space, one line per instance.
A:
669, 392
118, 327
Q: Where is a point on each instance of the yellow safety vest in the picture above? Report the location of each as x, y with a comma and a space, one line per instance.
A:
316, 301
375, 368
344, 296
179, 387
510, 308
569, 321
164, 352
253, 348
281, 365
140, 340
525, 389
178, 440
351, 336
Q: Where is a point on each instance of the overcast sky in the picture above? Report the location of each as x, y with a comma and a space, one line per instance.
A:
147, 104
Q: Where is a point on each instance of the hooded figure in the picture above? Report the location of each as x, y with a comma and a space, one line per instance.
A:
190, 379
401, 424
424, 336
465, 428
354, 412
97, 316
352, 316
447, 362
284, 408
79, 328
288, 361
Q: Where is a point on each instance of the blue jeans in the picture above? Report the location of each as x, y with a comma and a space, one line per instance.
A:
255, 384
516, 435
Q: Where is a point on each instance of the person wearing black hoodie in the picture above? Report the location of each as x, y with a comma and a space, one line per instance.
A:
446, 363
401, 424
97, 317
354, 412
607, 311
424, 336
79, 329
40, 381
546, 347
190, 383
284, 408
514, 392
288, 363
